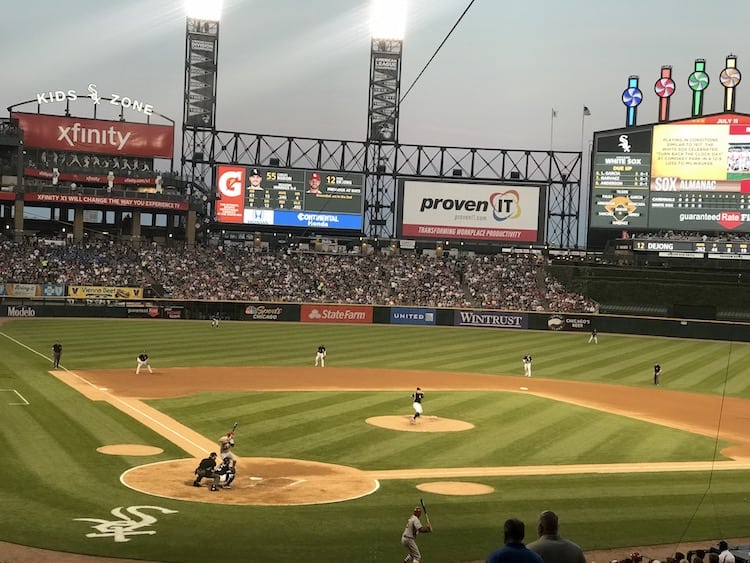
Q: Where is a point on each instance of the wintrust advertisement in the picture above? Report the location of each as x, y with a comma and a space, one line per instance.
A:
491, 319
357, 314
55, 132
442, 210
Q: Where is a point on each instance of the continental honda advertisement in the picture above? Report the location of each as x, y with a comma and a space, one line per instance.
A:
448, 210
54, 132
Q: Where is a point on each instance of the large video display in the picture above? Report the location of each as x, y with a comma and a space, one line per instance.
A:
283, 197
689, 176
460, 211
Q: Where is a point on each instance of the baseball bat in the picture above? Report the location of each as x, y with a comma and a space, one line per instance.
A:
424, 509
234, 426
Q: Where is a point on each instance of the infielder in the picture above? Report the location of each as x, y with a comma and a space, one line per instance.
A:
142, 360
657, 374
320, 356
409, 537
417, 397
527, 365
226, 443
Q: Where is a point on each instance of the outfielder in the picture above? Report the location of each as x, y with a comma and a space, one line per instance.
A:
226, 443
417, 397
142, 360
320, 356
409, 537
593, 338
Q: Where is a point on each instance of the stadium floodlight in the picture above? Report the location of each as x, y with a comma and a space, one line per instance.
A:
204, 10
388, 19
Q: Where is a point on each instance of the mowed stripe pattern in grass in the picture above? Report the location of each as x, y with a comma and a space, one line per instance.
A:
54, 442
689, 365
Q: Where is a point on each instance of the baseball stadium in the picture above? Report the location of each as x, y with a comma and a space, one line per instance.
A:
372, 329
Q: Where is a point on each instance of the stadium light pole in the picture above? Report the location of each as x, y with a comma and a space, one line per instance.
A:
387, 27
199, 99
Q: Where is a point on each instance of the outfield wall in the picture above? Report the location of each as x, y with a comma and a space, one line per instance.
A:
366, 314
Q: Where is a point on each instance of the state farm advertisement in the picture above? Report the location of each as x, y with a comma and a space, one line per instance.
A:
359, 314
230, 190
443, 210
56, 132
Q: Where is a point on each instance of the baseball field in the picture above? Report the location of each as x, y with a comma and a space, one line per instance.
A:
100, 461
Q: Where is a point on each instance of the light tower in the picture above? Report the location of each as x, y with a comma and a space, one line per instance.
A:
387, 25
199, 99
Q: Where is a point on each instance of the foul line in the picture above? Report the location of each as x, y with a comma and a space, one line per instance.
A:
25, 402
111, 398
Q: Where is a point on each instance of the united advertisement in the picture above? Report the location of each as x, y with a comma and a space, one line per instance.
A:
460, 211
412, 316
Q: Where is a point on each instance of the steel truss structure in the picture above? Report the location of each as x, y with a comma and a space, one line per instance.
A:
383, 164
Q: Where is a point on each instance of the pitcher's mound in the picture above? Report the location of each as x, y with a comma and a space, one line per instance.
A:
423, 424
260, 481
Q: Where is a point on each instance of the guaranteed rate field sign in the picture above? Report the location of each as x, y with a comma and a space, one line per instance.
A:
493, 212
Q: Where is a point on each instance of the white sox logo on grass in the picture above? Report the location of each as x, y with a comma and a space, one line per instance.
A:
125, 525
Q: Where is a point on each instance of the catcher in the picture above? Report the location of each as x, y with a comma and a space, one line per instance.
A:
226, 443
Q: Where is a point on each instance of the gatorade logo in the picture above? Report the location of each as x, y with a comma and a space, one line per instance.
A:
231, 181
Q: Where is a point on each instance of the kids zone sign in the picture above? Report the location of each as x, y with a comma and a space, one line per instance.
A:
498, 212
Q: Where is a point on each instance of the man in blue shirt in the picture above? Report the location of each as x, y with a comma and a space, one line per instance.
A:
514, 551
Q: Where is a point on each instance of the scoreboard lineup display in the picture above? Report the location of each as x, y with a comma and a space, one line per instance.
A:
689, 176
692, 246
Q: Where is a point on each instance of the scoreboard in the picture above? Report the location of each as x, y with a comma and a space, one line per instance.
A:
288, 197
691, 175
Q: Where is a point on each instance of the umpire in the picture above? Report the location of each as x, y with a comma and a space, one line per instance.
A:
206, 468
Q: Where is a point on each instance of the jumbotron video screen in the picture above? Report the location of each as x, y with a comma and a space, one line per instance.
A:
284, 197
691, 175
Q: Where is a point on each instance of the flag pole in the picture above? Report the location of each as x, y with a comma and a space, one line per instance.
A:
552, 116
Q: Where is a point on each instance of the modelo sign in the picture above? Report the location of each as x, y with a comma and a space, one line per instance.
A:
409, 316
358, 314
21, 312
55, 132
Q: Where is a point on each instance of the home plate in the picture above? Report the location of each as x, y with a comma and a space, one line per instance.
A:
256, 478
524, 388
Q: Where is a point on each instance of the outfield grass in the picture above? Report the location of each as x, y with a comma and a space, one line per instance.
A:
55, 474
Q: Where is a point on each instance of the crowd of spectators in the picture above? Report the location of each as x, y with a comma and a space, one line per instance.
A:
501, 281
